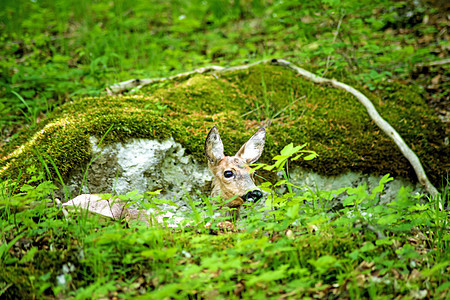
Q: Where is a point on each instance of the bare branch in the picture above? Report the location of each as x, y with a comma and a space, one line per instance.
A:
374, 115
135, 84
435, 63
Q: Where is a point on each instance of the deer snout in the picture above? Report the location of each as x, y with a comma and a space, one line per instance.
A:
254, 196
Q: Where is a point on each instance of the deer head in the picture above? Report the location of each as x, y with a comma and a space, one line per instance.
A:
232, 176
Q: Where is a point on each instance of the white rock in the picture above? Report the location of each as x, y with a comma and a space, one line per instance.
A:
147, 165
142, 165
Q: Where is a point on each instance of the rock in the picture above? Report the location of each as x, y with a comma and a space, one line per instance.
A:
142, 165
312, 181
154, 139
147, 165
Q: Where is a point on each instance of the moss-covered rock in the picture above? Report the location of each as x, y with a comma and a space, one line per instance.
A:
332, 121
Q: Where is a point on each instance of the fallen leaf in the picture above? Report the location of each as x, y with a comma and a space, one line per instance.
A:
436, 79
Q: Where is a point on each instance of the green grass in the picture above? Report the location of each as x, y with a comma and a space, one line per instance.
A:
298, 249
57, 50
329, 119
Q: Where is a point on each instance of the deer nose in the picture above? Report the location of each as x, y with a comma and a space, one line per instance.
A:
254, 195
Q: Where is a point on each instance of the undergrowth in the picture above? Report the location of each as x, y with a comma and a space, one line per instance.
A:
55, 50
292, 108
296, 244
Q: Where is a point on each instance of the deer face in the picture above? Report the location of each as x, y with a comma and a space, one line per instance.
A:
232, 176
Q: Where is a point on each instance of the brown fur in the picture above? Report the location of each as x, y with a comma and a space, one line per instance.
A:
241, 181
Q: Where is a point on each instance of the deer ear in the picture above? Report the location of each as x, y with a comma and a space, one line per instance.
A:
214, 147
253, 148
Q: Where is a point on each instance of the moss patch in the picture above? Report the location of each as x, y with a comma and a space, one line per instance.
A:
330, 120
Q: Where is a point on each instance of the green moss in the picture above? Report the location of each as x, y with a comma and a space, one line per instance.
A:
332, 121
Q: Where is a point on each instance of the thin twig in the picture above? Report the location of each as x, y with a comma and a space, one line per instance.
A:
334, 41
253, 110
286, 107
435, 63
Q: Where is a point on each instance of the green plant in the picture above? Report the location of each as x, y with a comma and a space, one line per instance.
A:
306, 247
54, 52
298, 248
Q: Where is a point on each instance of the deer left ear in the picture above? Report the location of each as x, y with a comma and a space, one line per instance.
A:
253, 148
214, 147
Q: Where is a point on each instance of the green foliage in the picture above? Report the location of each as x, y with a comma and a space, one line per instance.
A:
304, 247
330, 120
57, 50
298, 248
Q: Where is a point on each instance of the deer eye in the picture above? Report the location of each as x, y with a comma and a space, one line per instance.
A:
228, 174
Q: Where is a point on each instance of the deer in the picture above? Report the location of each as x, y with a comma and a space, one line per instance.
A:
233, 182
233, 178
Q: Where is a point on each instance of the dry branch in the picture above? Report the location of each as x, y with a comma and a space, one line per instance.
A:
135, 84
374, 115
435, 63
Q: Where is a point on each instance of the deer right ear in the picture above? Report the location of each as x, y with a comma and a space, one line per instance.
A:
214, 147
253, 148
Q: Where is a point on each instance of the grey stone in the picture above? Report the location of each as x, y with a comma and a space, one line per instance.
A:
147, 165
310, 181
141, 165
